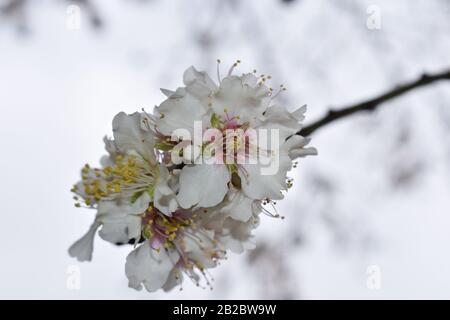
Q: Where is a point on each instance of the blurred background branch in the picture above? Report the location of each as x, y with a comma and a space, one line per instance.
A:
372, 104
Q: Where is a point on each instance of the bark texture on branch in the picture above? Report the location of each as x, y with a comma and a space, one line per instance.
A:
372, 104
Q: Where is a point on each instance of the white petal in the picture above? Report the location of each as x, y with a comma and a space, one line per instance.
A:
164, 198
175, 278
256, 185
278, 118
201, 248
165, 204
191, 153
238, 235
114, 231
121, 223
129, 135
140, 205
83, 248
121, 229
134, 224
296, 153
110, 145
179, 113
250, 79
240, 207
203, 185
240, 98
198, 83
106, 161
295, 146
299, 114
167, 92
145, 266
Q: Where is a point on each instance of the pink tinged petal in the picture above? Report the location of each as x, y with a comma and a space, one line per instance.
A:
83, 248
203, 185
231, 124
156, 241
149, 268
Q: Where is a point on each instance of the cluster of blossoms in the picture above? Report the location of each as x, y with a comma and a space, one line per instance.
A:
187, 183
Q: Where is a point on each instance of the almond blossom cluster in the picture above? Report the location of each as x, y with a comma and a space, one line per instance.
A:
187, 183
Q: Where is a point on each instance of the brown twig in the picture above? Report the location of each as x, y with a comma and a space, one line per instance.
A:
372, 104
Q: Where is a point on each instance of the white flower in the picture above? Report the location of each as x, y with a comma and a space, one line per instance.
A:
237, 103
123, 188
174, 246
180, 201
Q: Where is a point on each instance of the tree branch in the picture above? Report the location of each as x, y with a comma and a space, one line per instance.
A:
372, 104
